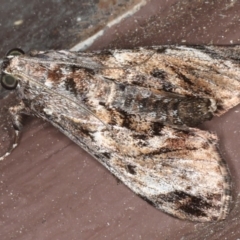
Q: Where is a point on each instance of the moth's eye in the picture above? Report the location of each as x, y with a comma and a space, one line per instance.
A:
15, 52
8, 81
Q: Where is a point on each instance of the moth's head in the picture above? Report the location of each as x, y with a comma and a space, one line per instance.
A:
7, 80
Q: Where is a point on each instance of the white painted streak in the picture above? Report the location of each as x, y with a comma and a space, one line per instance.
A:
86, 43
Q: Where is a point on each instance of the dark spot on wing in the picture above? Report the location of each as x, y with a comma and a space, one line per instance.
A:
157, 128
164, 150
184, 78
192, 205
140, 136
121, 87
89, 72
161, 50
127, 118
106, 154
127, 122
131, 169
102, 104
139, 80
71, 86
158, 73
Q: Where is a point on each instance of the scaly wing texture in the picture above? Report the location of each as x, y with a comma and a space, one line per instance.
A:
178, 172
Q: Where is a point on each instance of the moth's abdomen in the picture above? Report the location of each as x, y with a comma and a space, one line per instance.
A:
167, 108
193, 111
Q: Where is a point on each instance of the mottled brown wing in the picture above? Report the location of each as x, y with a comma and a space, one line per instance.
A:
178, 172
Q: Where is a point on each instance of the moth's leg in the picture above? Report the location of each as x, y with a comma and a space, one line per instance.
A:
16, 113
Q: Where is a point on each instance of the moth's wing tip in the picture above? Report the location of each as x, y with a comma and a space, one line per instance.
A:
204, 206
199, 214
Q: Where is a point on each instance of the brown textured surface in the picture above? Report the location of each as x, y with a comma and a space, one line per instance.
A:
55, 24
51, 189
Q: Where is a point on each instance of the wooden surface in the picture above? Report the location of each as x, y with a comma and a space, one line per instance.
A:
49, 187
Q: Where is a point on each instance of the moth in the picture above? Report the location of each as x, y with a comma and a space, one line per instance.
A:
136, 112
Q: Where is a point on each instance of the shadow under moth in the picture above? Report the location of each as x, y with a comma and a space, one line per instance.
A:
135, 111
